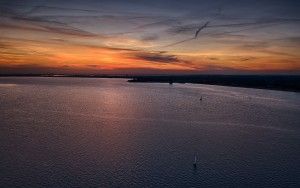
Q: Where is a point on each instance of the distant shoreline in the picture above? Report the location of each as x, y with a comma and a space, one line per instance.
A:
271, 82
66, 76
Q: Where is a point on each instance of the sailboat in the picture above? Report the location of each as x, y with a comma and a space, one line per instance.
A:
195, 161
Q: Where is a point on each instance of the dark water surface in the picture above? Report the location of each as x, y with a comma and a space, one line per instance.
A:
68, 132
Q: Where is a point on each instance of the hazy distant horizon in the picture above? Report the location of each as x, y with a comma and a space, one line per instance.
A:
145, 74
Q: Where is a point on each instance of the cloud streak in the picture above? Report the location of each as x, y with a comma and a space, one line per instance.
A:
16, 21
156, 35
157, 57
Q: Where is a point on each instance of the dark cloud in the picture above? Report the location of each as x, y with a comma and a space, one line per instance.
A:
247, 58
93, 66
213, 58
157, 57
151, 37
183, 29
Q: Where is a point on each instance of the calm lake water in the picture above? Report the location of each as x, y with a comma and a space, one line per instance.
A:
68, 132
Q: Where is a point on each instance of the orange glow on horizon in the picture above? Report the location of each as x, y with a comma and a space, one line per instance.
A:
80, 57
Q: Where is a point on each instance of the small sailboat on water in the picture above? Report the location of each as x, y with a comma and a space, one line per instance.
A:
195, 162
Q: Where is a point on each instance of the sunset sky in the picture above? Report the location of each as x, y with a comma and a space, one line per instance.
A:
145, 37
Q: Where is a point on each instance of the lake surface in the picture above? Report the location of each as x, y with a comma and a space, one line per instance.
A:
68, 132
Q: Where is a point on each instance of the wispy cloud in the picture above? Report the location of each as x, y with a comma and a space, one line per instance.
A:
136, 35
157, 57
188, 28
16, 21
150, 37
